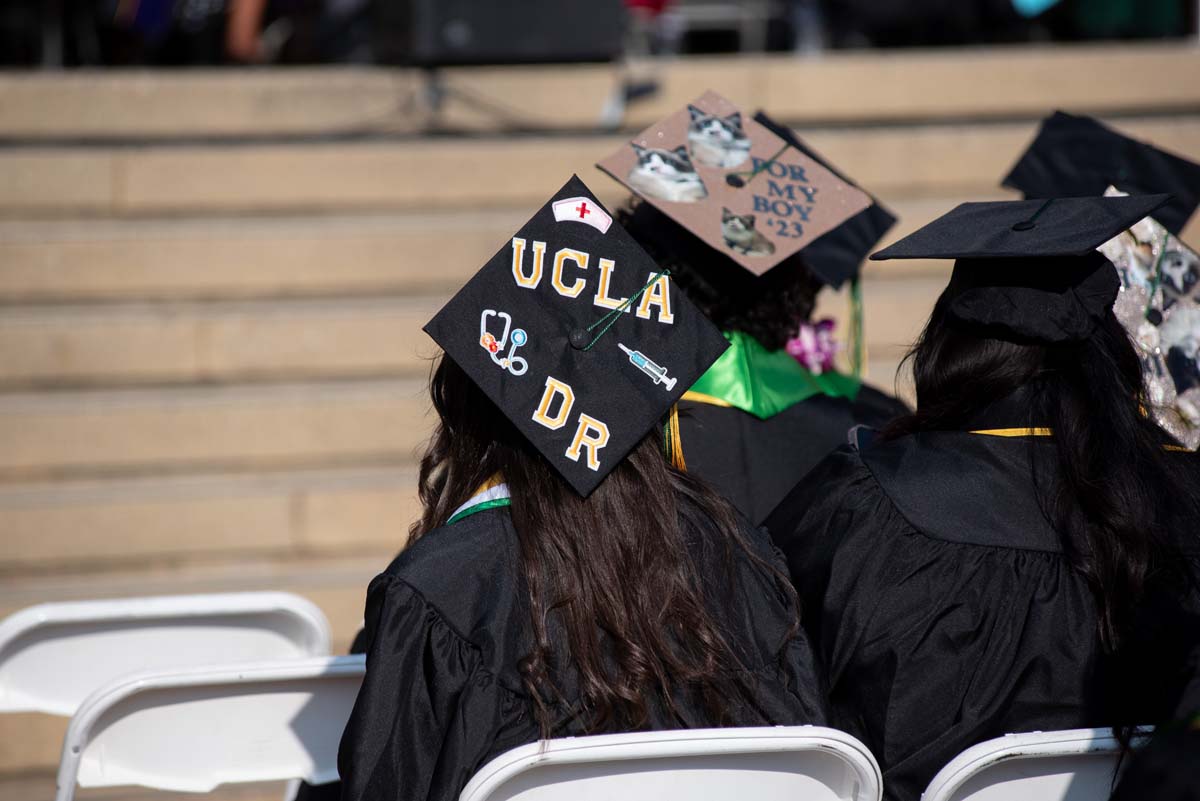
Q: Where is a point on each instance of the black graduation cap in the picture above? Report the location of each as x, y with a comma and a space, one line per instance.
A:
1029, 269
836, 256
1074, 155
575, 335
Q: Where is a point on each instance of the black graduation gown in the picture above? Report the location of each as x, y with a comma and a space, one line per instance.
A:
447, 623
754, 462
943, 610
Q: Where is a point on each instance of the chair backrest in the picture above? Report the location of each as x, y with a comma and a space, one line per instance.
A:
781, 763
194, 729
1069, 765
53, 655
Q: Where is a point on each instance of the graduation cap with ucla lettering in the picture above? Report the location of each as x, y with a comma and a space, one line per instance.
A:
1029, 269
746, 188
576, 335
1075, 155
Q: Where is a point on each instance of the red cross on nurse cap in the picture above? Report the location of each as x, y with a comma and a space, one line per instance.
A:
573, 332
583, 210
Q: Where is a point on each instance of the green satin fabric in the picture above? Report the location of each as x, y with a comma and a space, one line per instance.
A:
764, 382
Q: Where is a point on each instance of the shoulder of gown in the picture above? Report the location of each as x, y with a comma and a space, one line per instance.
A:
469, 573
433, 666
446, 627
927, 642
754, 462
940, 602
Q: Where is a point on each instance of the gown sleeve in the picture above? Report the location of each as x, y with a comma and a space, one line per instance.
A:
931, 645
835, 497
427, 711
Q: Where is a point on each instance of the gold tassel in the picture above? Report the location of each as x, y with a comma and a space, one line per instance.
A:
673, 440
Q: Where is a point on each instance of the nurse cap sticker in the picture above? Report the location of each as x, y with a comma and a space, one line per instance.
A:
581, 209
577, 336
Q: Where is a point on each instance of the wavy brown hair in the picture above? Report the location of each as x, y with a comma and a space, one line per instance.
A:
613, 573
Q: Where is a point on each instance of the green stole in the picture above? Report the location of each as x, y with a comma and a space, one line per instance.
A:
493, 494
764, 382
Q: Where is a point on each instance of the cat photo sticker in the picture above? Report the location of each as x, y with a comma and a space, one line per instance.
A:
665, 175
1159, 306
716, 141
734, 183
739, 234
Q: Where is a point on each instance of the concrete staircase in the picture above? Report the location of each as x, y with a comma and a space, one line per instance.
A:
212, 286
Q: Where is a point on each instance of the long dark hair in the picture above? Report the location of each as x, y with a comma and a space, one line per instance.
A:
1114, 497
614, 570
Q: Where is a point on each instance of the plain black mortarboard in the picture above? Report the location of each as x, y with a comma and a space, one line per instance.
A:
1074, 155
836, 256
1029, 269
544, 329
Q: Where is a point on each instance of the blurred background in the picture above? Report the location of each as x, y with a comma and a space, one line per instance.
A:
223, 222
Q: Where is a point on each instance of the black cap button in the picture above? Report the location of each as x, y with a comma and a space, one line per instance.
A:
580, 339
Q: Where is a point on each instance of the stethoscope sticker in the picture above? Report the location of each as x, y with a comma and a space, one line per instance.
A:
511, 362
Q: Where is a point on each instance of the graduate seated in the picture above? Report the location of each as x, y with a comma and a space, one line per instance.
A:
566, 578
752, 224
1019, 554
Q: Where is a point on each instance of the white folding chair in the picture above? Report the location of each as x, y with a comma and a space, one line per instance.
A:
783, 763
1039, 766
53, 655
194, 729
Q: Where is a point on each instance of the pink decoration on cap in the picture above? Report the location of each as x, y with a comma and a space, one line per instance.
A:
813, 346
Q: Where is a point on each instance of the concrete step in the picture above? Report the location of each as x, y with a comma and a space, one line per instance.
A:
104, 523
155, 431
417, 253
938, 160
222, 428
90, 521
340, 256
143, 104
241, 257
338, 585
895, 310
189, 342
849, 87
846, 87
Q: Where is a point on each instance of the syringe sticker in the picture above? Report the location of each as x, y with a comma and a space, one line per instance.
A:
644, 363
